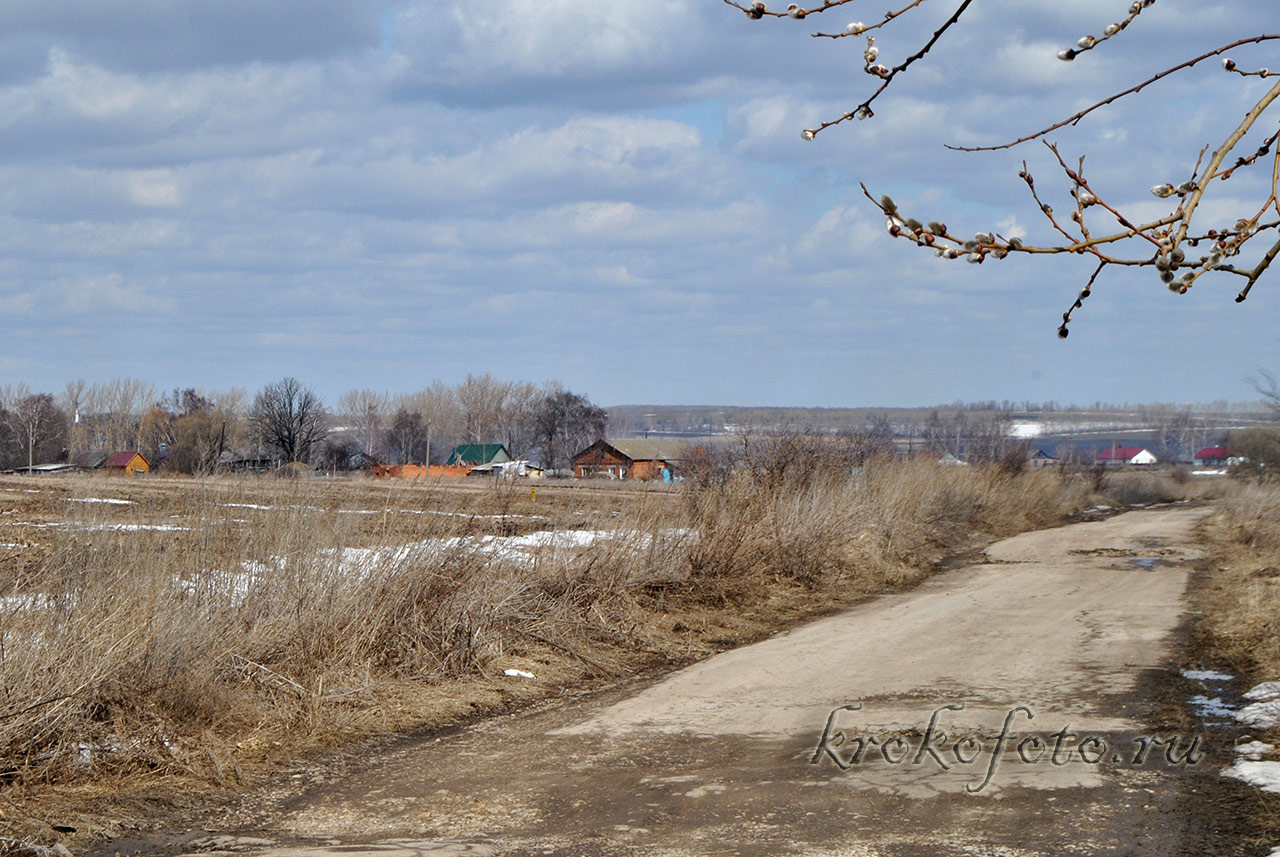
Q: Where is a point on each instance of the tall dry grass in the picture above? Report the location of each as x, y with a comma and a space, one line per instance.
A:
190, 648
882, 524
1240, 597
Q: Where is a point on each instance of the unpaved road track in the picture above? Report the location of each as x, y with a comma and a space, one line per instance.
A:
1069, 632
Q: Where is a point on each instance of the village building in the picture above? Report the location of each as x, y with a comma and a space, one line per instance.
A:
1212, 456
130, 462
476, 454
1132, 455
632, 459
88, 460
1040, 458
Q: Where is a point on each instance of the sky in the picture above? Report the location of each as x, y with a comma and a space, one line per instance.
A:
616, 195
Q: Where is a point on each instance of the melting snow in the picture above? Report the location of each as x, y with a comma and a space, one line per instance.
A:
1260, 715
1261, 692
1264, 712
358, 562
1206, 675
1207, 708
1264, 775
99, 500
1254, 750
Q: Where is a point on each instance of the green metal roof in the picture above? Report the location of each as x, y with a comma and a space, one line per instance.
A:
472, 454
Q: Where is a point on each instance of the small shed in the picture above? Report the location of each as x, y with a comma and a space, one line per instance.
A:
130, 462
89, 460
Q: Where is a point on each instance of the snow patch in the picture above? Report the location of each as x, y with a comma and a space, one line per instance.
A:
34, 601
1263, 692
1206, 675
1254, 750
106, 500
1025, 429
1207, 708
1260, 715
1264, 775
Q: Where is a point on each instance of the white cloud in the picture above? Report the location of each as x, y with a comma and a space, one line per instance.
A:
320, 177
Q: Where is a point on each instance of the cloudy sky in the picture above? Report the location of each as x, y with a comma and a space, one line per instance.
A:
613, 194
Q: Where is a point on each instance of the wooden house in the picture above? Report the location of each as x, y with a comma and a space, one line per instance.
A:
129, 462
631, 459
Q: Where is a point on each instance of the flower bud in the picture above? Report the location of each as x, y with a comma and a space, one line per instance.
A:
854, 28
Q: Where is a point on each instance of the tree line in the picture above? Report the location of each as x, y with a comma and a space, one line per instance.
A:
199, 431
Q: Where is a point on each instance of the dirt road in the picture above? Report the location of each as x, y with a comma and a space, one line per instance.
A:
1002, 708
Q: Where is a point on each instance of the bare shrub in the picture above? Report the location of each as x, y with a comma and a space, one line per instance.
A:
1142, 488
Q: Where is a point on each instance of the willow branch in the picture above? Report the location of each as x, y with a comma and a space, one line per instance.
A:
1193, 200
1257, 271
1071, 120
864, 109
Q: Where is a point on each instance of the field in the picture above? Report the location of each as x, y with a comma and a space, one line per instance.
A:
163, 636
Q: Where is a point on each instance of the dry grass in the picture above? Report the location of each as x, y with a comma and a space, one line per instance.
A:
1241, 595
208, 628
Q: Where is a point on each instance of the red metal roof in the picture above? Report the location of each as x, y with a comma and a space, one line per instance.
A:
122, 459
1213, 452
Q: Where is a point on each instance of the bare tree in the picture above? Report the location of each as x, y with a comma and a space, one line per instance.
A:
111, 413
565, 423
366, 411
1267, 387
1189, 242
516, 418
429, 415
37, 426
481, 399
206, 427
288, 418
